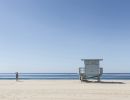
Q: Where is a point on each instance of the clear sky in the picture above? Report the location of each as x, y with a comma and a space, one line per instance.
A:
53, 35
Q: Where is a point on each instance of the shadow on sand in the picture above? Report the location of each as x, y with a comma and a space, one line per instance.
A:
104, 82
19, 81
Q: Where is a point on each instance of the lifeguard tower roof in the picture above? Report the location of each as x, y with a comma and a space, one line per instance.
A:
91, 59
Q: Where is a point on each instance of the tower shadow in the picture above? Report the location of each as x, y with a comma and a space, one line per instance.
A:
104, 82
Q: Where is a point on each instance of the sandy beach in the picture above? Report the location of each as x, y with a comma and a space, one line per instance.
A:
63, 90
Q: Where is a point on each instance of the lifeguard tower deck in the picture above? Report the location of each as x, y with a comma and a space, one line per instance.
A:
91, 70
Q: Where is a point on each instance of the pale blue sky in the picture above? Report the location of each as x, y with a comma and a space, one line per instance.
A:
53, 35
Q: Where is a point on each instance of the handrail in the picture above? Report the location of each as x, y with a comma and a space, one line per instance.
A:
81, 70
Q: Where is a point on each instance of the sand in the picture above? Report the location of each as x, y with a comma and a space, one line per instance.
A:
63, 90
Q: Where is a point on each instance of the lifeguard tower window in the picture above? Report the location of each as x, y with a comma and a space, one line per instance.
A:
92, 62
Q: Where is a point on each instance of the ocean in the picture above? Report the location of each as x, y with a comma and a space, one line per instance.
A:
60, 76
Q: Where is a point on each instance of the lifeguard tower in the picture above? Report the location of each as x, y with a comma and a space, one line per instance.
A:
91, 70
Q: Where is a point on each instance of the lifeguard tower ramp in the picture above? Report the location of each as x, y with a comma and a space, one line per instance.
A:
91, 70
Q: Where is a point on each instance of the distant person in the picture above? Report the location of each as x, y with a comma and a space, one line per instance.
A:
17, 76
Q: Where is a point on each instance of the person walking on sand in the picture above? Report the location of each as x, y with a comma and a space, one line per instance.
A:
17, 76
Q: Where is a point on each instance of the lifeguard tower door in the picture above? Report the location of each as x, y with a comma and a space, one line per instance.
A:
91, 68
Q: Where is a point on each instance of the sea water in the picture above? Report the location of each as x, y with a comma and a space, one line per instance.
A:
60, 76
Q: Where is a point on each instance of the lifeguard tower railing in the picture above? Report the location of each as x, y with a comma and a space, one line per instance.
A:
84, 77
